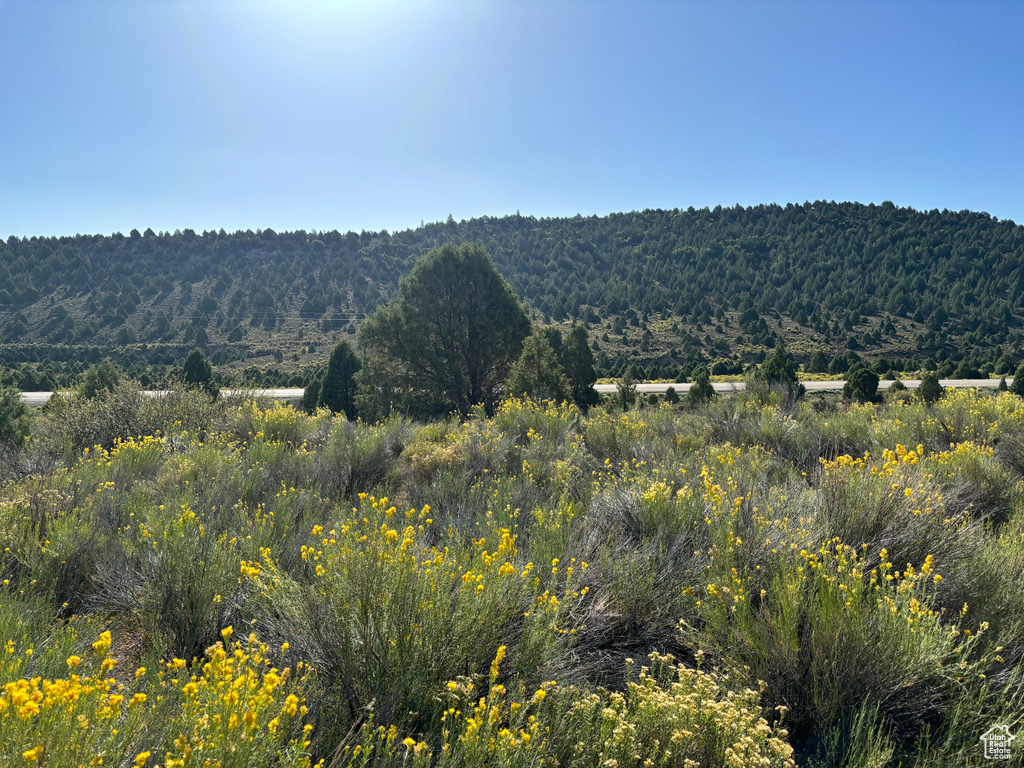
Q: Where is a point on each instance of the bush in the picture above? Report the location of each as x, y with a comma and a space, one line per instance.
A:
197, 373
861, 385
930, 390
446, 608
72, 423
701, 390
15, 421
102, 377
861, 565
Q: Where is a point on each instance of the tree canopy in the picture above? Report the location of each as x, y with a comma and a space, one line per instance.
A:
15, 422
861, 384
446, 343
930, 389
701, 391
537, 373
198, 373
778, 370
338, 388
102, 377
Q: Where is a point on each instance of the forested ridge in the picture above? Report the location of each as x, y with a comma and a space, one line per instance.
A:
657, 288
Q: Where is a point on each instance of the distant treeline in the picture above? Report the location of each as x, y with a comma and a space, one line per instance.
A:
656, 289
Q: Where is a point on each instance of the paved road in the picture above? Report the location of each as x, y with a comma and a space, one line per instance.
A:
812, 386
38, 399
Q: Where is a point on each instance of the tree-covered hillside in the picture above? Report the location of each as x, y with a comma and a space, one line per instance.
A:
655, 288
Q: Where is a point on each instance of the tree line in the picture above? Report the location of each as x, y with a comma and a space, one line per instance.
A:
455, 338
655, 287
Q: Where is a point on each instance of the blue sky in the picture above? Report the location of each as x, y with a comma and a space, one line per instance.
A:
372, 115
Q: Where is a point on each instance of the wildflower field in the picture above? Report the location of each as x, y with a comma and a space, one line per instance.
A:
197, 583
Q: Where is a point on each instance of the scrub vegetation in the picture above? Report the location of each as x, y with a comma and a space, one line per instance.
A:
660, 289
751, 580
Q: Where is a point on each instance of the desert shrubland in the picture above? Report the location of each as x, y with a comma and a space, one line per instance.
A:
190, 582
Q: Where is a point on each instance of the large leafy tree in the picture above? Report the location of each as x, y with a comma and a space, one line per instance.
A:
447, 341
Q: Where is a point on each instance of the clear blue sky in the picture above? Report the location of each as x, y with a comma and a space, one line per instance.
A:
371, 115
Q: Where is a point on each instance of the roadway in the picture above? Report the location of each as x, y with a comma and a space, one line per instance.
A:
810, 386
39, 399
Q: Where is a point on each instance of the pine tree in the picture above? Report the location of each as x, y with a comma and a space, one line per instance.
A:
1018, 381
861, 384
930, 390
701, 391
102, 377
778, 370
338, 386
538, 373
449, 339
626, 387
578, 364
198, 373
15, 421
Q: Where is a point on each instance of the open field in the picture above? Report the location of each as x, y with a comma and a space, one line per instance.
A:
740, 584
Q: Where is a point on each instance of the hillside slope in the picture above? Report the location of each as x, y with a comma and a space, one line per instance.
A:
656, 288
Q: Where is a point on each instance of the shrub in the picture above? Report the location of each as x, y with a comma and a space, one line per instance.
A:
701, 390
87, 716
446, 607
71, 423
930, 389
15, 427
197, 373
861, 385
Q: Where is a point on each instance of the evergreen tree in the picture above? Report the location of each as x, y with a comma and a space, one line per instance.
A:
578, 364
701, 391
448, 341
778, 370
538, 373
930, 389
198, 373
861, 384
338, 386
553, 334
626, 388
1018, 381
102, 377
818, 362
311, 394
15, 421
